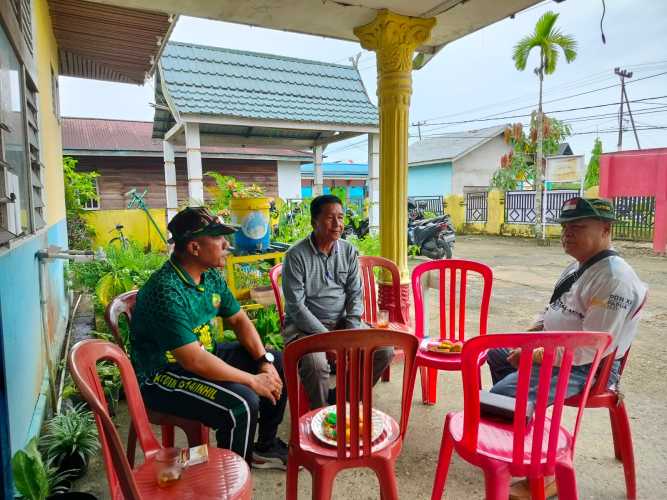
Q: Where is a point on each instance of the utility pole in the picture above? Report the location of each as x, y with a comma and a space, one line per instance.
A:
623, 74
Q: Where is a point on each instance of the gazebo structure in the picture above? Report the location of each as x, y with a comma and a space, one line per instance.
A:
639, 173
210, 96
404, 34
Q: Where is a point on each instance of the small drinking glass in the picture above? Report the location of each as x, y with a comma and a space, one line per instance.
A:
168, 466
383, 318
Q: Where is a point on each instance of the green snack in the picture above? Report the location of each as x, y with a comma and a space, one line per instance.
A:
331, 418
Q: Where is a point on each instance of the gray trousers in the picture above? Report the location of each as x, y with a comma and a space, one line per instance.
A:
314, 367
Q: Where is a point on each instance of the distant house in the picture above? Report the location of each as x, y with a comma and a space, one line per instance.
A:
352, 176
564, 149
443, 165
126, 157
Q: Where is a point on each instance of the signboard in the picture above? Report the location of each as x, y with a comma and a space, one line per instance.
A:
565, 168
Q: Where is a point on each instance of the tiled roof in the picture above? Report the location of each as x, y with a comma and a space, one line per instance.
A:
95, 134
451, 145
338, 169
217, 81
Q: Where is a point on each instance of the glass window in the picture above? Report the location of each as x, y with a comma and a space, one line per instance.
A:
14, 140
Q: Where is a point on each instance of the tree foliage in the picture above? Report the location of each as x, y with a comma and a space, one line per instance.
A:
593, 170
519, 164
79, 190
548, 39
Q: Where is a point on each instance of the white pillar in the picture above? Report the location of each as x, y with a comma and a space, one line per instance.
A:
374, 183
170, 179
289, 179
318, 176
193, 148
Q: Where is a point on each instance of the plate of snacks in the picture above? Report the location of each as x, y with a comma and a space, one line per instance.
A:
325, 427
444, 346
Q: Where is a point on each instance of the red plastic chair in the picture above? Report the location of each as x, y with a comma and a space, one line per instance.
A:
367, 267
195, 432
274, 276
353, 348
601, 396
452, 305
540, 448
225, 475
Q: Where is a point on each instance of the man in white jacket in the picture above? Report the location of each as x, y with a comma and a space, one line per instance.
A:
597, 292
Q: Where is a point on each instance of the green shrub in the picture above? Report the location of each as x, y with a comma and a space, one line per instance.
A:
71, 433
368, 245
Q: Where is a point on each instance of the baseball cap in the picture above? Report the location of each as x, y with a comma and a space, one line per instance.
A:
192, 222
586, 208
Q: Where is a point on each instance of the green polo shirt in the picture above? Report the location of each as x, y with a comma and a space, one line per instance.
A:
172, 311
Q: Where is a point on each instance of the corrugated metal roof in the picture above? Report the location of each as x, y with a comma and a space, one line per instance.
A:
218, 81
451, 145
106, 42
338, 169
95, 134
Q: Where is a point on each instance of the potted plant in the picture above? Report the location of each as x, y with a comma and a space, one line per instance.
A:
248, 208
37, 479
70, 440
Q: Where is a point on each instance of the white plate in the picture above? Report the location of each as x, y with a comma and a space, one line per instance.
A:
318, 418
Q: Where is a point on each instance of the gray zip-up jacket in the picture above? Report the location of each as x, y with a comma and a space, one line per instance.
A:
322, 289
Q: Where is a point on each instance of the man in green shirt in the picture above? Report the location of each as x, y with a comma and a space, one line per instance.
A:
231, 387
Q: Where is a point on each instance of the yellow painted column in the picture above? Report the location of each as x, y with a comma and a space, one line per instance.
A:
394, 39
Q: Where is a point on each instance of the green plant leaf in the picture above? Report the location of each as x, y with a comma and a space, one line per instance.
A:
29, 472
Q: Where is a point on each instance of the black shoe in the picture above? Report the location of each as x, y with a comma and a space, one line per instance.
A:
272, 456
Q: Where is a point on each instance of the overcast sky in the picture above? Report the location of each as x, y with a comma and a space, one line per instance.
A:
471, 78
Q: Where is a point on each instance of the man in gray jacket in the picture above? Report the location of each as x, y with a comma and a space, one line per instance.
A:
322, 289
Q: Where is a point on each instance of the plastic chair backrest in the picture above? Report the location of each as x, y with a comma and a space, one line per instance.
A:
121, 304
83, 359
554, 344
601, 384
450, 305
367, 266
354, 353
274, 275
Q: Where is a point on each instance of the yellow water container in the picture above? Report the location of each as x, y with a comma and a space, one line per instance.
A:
253, 216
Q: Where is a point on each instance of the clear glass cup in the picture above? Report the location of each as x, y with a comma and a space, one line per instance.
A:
168, 466
383, 318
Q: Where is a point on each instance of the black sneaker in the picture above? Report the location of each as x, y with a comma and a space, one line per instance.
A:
273, 456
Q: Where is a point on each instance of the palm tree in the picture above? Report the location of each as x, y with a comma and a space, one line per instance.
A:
547, 39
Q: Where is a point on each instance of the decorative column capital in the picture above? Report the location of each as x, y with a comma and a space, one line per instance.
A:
394, 38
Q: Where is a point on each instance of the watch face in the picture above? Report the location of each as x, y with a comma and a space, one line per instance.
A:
269, 357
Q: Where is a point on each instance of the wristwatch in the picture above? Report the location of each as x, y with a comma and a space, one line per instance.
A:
267, 357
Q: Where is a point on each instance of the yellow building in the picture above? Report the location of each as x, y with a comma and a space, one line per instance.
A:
34, 306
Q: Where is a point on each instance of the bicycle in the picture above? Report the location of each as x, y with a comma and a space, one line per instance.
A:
124, 242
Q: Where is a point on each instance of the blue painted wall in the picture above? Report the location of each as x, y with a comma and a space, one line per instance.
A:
355, 191
21, 328
430, 180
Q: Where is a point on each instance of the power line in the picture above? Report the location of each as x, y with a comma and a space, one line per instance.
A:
566, 97
423, 124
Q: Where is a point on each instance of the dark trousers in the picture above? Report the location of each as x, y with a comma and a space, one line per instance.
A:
233, 410
506, 378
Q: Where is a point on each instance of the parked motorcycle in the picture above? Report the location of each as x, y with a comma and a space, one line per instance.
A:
356, 226
435, 236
